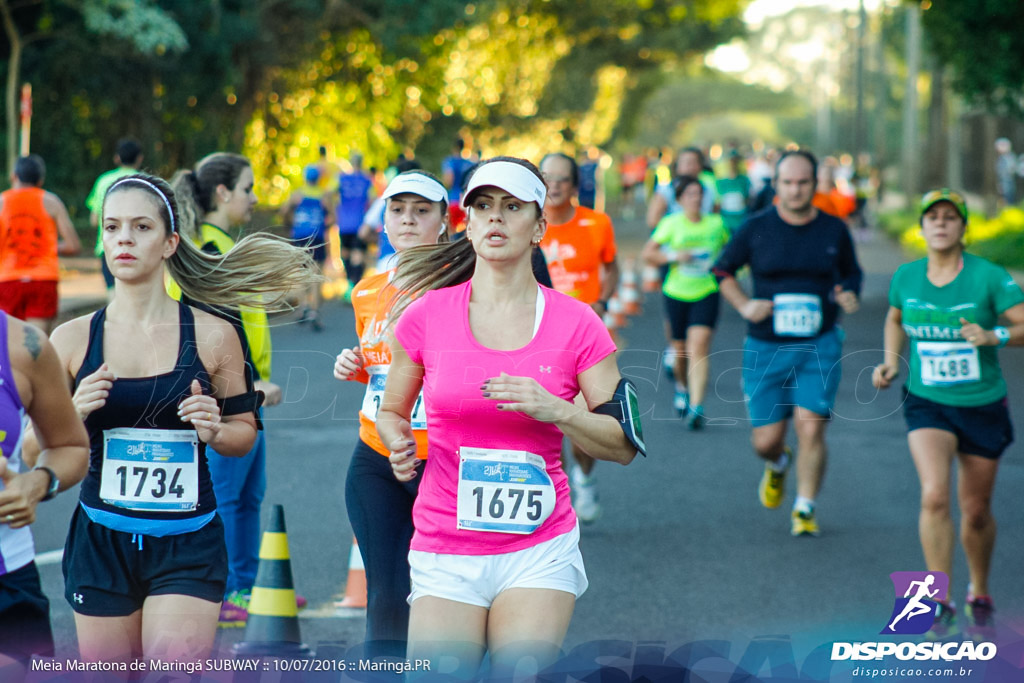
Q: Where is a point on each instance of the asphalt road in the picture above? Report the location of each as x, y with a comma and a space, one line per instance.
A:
684, 552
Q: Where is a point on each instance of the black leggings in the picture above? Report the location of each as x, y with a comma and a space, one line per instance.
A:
380, 511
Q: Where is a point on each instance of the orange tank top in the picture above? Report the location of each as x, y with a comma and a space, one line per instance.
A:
28, 237
371, 301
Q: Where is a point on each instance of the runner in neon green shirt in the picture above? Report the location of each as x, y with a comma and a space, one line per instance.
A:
689, 242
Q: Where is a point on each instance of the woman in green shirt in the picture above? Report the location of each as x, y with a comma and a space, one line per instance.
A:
948, 305
689, 242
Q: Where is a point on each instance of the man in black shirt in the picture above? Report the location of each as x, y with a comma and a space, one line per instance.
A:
803, 270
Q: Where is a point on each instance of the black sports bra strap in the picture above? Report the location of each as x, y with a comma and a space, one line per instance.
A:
188, 348
94, 351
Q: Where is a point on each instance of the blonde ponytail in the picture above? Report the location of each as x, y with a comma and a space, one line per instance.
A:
259, 271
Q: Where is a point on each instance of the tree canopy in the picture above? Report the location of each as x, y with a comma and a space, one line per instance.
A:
982, 41
276, 78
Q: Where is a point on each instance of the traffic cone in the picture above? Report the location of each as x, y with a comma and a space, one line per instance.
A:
272, 629
611, 325
651, 279
618, 313
355, 584
628, 291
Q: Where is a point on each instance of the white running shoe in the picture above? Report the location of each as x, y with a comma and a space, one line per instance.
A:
585, 499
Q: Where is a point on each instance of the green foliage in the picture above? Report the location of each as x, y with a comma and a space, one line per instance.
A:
277, 78
999, 239
145, 26
704, 94
983, 41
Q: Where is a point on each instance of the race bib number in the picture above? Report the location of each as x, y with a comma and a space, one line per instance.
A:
948, 363
151, 469
503, 491
699, 264
796, 315
733, 202
375, 394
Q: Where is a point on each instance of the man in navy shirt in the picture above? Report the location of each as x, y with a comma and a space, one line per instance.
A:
803, 270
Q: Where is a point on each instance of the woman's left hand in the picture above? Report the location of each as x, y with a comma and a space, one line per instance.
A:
526, 395
202, 412
977, 335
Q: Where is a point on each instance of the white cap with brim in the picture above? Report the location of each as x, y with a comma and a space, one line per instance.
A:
517, 180
416, 183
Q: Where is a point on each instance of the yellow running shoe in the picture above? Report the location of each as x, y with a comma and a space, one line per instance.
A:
772, 489
804, 524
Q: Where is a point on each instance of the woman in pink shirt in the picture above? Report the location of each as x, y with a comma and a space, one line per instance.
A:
495, 562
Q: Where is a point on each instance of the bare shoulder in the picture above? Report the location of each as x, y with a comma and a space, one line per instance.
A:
72, 333
210, 326
25, 343
216, 337
71, 341
51, 200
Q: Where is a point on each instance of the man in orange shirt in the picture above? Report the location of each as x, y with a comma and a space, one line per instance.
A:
579, 246
828, 197
30, 221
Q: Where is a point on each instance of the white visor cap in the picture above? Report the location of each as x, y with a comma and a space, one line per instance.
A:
517, 180
416, 183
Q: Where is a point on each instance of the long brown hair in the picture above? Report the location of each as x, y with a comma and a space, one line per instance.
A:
260, 270
421, 269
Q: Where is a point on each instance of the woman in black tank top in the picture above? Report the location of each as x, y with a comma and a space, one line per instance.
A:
158, 382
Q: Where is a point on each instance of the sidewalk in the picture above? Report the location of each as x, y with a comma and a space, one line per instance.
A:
81, 286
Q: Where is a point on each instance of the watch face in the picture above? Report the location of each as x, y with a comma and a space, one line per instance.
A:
51, 491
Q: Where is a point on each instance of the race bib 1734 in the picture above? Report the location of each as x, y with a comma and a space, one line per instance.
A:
151, 469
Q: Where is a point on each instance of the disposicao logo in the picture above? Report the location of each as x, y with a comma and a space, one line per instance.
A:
913, 613
917, 595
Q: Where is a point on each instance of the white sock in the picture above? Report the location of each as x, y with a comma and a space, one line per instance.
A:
803, 504
578, 477
680, 388
780, 465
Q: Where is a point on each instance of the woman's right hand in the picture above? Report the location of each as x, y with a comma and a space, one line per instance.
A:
884, 374
348, 363
403, 454
683, 257
92, 392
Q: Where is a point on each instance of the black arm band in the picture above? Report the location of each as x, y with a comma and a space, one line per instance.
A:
243, 403
625, 407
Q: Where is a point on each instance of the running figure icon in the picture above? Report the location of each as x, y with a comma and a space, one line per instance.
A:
915, 607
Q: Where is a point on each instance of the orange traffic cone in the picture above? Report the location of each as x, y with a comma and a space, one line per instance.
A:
355, 585
651, 279
272, 629
616, 310
610, 323
628, 291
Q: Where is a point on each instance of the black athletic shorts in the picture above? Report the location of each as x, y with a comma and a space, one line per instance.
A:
110, 573
24, 615
350, 240
981, 430
683, 314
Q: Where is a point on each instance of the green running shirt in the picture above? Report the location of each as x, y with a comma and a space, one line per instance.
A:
945, 368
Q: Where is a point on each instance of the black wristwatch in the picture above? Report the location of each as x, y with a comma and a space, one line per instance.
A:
604, 304
54, 486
